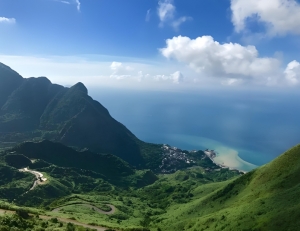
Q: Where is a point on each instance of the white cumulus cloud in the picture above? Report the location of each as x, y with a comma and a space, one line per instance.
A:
177, 77
120, 71
292, 73
229, 63
7, 20
119, 67
210, 58
278, 16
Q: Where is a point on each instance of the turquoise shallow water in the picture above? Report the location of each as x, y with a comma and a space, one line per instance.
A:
258, 126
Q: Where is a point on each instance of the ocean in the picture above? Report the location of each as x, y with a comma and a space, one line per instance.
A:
251, 127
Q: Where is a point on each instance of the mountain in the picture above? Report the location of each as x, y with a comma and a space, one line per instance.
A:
265, 199
63, 156
36, 109
67, 171
10, 80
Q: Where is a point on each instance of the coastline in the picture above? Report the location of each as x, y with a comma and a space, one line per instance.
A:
226, 157
229, 158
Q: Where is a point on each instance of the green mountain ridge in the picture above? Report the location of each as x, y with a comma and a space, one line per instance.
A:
36, 109
64, 156
10, 80
67, 170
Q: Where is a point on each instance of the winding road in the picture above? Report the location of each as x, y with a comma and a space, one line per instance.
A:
112, 211
39, 177
41, 180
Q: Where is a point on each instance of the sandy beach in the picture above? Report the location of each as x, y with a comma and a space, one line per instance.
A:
230, 158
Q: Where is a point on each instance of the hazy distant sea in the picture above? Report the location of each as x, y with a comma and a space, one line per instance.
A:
259, 126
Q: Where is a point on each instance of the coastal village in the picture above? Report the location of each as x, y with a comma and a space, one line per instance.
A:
175, 159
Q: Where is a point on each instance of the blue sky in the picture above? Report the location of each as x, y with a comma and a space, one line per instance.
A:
154, 43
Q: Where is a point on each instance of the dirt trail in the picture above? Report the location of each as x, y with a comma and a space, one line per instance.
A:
112, 211
65, 220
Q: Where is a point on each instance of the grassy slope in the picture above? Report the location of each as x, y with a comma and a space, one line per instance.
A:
169, 193
264, 199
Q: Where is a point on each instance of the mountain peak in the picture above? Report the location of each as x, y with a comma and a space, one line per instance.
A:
10, 80
80, 86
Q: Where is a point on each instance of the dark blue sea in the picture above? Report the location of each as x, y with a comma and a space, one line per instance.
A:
258, 125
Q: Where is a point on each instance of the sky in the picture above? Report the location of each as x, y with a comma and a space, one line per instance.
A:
154, 44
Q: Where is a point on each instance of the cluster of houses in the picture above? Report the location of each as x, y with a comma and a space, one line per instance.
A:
174, 159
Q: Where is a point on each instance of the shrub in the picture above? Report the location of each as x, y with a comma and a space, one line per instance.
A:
22, 213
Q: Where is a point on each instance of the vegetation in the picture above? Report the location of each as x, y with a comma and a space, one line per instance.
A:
58, 154
264, 199
22, 221
13, 183
196, 199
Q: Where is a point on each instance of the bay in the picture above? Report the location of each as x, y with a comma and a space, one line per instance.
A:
258, 126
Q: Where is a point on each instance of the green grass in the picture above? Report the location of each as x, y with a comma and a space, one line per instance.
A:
134, 207
193, 199
15, 222
265, 199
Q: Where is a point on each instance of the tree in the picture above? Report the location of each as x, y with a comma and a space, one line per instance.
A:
70, 227
145, 222
22, 213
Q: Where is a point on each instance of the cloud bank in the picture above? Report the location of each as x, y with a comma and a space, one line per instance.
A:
232, 62
177, 77
279, 17
123, 72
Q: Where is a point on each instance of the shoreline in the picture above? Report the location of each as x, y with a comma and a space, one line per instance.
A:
225, 155
229, 159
